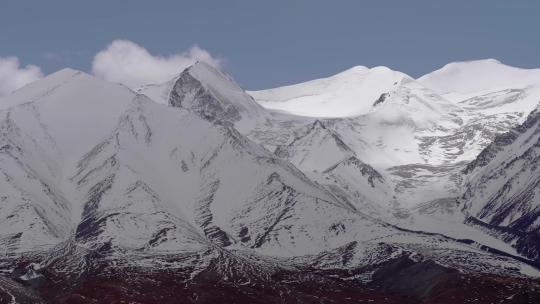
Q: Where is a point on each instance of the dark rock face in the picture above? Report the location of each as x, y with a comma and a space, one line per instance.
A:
404, 276
204, 217
213, 96
381, 99
526, 243
529, 245
190, 93
429, 282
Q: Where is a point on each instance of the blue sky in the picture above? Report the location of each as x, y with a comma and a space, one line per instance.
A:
272, 43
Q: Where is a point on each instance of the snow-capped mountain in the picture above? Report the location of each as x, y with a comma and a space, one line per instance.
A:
46, 127
444, 121
350, 93
209, 93
416, 132
197, 187
460, 81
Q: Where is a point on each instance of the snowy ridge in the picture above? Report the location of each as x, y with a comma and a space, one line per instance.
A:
460, 80
349, 93
213, 95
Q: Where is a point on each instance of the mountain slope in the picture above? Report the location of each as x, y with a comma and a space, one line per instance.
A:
33, 213
225, 187
46, 126
316, 150
502, 186
323, 156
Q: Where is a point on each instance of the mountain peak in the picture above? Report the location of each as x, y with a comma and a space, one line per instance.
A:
207, 73
44, 86
349, 93
69, 100
202, 65
355, 69
213, 95
360, 72
486, 61
66, 72
318, 124
55, 78
477, 76
160, 92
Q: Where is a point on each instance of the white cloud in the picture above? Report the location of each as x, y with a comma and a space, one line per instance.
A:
13, 76
126, 62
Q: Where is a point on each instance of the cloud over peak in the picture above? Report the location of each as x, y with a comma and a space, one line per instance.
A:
122, 61
128, 63
14, 76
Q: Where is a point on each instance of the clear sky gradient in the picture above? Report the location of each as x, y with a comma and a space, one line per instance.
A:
272, 43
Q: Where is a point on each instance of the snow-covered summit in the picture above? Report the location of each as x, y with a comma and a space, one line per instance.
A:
349, 93
36, 89
463, 79
70, 105
214, 96
210, 93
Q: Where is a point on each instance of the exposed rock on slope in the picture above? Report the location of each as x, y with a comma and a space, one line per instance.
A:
502, 190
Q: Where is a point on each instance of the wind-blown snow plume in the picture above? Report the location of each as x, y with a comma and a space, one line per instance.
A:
132, 65
13, 76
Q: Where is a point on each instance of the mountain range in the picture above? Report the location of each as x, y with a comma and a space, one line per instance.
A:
368, 185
